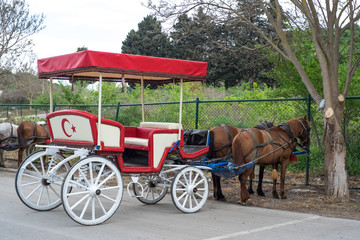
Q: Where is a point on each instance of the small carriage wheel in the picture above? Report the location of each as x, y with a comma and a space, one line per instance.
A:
154, 190
36, 186
189, 190
97, 189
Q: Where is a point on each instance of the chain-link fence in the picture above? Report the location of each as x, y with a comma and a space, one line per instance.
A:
199, 114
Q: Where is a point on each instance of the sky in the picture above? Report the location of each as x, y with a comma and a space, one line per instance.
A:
99, 25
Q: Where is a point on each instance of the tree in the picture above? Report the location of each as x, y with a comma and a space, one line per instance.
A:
17, 25
148, 40
327, 21
20, 87
229, 47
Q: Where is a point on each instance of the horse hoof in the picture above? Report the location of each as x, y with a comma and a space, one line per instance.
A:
283, 197
276, 196
261, 194
247, 203
223, 199
251, 191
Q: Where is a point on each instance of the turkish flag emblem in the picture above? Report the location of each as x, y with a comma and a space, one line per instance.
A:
67, 129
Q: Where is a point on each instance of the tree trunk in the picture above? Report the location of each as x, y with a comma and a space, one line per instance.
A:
336, 184
2, 159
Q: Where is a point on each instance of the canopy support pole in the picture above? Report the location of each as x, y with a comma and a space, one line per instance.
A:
99, 110
51, 95
180, 110
142, 99
123, 83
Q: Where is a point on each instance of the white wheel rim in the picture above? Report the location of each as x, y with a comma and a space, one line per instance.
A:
190, 190
154, 189
35, 187
96, 194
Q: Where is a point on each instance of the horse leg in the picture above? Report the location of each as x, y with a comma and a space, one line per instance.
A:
245, 195
282, 181
20, 155
252, 176
259, 190
274, 192
217, 188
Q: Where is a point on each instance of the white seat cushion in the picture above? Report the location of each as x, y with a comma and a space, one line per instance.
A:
137, 141
163, 125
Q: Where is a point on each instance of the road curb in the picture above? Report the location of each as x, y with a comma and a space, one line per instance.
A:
8, 169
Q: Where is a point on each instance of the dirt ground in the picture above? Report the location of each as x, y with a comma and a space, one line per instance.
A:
300, 198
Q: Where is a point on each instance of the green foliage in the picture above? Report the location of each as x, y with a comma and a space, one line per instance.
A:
148, 40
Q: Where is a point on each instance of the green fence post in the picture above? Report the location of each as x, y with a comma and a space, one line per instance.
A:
7, 111
307, 155
54, 106
117, 111
197, 113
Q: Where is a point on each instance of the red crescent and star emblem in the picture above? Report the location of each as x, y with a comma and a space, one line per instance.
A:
63, 127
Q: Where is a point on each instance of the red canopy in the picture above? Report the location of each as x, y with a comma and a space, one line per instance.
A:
86, 65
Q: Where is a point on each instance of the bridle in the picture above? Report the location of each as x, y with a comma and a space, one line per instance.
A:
304, 144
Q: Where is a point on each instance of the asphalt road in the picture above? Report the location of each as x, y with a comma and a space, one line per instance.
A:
134, 220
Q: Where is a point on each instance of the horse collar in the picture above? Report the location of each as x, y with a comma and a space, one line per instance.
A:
288, 130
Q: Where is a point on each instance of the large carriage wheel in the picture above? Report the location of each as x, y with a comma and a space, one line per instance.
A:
189, 190
97, 189
153, 190
35, 184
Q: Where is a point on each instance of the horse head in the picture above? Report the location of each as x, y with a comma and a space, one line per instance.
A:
300, 128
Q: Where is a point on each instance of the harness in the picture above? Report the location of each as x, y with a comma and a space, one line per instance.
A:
35, 137
287, 143
229, 144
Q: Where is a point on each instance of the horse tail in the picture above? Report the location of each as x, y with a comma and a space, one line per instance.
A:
238, 156
21, 137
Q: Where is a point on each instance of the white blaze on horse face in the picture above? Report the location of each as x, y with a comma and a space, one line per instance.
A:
71, 127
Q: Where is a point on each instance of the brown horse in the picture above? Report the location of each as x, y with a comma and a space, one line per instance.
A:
270, 147
30, 133
221, 138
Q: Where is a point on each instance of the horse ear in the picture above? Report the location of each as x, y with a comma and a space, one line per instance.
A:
305, 118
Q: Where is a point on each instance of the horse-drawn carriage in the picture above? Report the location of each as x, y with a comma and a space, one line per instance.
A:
82, 168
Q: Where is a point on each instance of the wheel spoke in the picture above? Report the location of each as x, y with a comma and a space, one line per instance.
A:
40, 196
80, 201
93, 208
35, 168
91, 173
54, 191
195, 178
185, 200
32, 175
28, 196
85, 207
77, 193
48, 194
107, 197
99, 174
201, 181
78, 184
106, 179
42, 165
30, 183
84, 177
195, 200
101, 205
